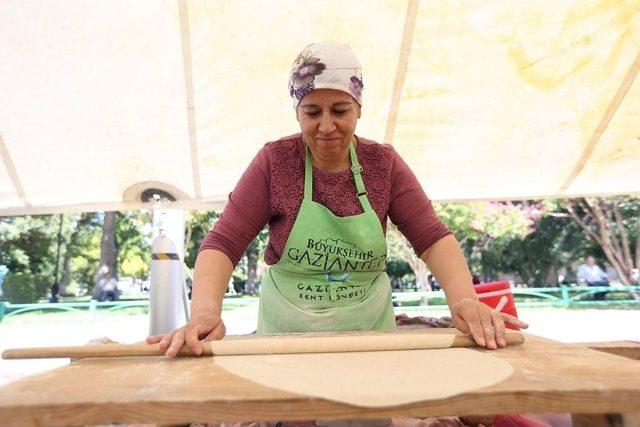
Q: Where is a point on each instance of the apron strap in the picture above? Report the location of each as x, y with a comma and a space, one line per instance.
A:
356, 170
308, 174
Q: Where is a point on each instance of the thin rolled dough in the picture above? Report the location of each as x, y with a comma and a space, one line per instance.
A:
374, 378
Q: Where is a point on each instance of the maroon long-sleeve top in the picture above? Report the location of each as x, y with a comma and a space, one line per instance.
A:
271, 190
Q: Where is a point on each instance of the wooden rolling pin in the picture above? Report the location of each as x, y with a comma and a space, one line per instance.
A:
272, 344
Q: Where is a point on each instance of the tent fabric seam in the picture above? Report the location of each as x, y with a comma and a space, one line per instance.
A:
11, 170
403, 65
185, 39
621, 93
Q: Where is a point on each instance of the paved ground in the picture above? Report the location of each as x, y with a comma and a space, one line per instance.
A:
79, 328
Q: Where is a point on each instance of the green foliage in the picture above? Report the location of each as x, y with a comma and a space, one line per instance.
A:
482, 220
259, 244
556, 243
198, 225
20, 288
83, 249
480, 226
458, 217
530, 239
239, 277
135, 266
629, 207
397, 267
28, 244
253, 255
401, 258
133, 238
612, 223
507, 220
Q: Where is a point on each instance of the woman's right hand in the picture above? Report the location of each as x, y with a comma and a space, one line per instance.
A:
208, 327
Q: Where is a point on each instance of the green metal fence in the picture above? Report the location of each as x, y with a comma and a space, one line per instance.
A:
91, 307
561, 296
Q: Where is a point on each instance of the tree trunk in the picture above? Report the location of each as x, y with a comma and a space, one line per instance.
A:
418, 266
600, 221
108, 251
638, 247
419, 269
552, 276
66, 271
252, 270
84, 219
422, 275
59, 244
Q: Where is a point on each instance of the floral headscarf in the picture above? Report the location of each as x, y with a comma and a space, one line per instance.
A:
325, 65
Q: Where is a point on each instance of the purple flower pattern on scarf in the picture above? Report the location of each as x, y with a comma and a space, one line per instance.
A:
302, 78
355, 87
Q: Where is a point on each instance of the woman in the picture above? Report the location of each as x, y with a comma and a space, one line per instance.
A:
326, 195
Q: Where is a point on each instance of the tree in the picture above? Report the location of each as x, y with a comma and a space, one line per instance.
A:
478, 226
20, 288
74, 244
77, 244
398, 247
397, 267
58, 247
253, 255
133, 231
248, 269
537, 257
614, 224
28, 245
108, 252
198, 225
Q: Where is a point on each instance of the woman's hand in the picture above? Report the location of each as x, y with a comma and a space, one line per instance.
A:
482, 322
209, 327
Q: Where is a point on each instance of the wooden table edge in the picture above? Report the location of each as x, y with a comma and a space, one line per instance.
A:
176, 411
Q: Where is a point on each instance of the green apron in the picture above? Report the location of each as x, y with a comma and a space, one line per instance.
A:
331, 275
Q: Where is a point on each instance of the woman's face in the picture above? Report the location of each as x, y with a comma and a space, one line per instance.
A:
328, 120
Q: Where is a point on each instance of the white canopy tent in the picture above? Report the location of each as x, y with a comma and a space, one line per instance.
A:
484, 99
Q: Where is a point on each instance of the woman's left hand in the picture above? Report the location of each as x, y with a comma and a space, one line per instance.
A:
482, 322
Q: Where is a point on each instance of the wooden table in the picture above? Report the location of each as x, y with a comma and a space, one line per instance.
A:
548, 377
